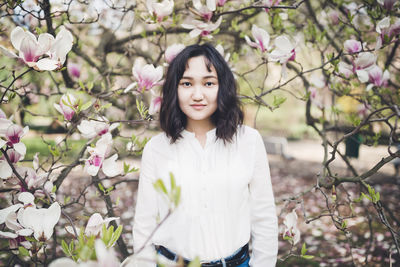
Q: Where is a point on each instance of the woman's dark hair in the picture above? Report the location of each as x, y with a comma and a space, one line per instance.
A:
228, 115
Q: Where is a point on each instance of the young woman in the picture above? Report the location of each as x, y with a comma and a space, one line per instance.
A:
220, 165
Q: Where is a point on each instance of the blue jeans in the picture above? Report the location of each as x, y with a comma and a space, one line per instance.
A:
244, 264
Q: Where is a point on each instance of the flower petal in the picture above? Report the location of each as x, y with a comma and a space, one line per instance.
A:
20, 148
47, 64
5, 169
4, 212
16, 36
26, 198
110, 166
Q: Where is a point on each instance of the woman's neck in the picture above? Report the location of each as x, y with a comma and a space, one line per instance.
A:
200, 129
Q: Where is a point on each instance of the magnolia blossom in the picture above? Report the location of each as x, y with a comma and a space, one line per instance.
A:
31, 49
42, 221
352, 46
291, 229
377, 77
95, 224
221, 2
206, 12
362, 64
271, 3
363, 109
387, 4
221, 50
386, 31
155, 103
284, 50
67, 106
13, 135
161, 10
93, 128
58, 51
202, 28
97, 159
261, 38
74, 70
146, 76
172, 51
333, 16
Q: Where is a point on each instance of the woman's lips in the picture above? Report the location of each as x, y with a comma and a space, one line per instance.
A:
198, 106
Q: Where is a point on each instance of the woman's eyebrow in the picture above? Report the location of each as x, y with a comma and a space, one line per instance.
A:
205, 77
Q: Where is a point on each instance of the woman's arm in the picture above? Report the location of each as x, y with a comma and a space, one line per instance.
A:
264, 226
146, 211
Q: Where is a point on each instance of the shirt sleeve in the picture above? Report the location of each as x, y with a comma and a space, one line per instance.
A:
264, 222
146, 212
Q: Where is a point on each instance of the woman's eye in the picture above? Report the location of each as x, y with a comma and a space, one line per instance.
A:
186, 84
208, 84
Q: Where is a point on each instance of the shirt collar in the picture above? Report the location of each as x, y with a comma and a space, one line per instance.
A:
210, 134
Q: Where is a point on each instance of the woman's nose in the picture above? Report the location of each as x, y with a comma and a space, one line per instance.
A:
197, 93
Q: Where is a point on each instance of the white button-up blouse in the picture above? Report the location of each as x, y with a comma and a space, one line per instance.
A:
226, 198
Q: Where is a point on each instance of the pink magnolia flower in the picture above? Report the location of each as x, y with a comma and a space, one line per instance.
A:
155, 103
93, 128
363, 110
172, 51
387, 4
386, 31
74, 70
202, 28
362, 64
206, 12
97, 159
95, 224
13, 156
333, 16
291, 231
271, 3
67, 106
221, 2
161, 10
352, 46
32, 178
13, 135
377, 77
147, 76
29, 47
261, 38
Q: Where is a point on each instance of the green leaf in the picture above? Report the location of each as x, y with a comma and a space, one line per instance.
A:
307, 257
278, 101
65, 248
81, 85
303, 249
23, 251
86, 105
101, 187
159, 186
195, 262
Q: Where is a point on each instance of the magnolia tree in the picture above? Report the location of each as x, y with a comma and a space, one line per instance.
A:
93, 70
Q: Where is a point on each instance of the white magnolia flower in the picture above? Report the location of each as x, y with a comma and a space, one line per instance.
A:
362, 64
161, 10
345, 69
97, 159
42, 221
291, 229
93, 128
202, 28
60, 46
284, 50
382, 24
95, 224
378, 77
387, 4
261, 38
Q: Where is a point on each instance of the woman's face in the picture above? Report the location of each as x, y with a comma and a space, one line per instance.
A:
198, 91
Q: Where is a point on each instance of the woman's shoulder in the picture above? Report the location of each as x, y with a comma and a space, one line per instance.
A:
247, 133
